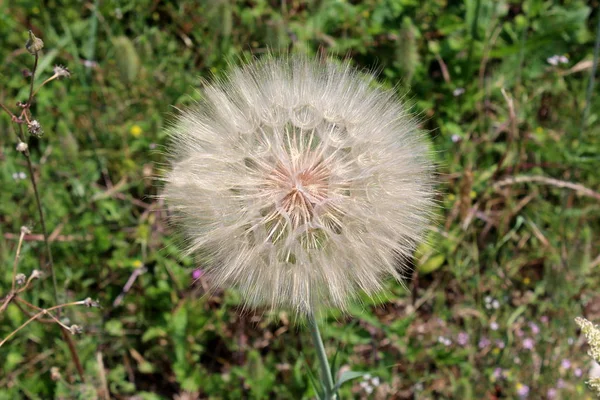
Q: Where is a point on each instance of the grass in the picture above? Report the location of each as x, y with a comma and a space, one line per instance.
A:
513, 257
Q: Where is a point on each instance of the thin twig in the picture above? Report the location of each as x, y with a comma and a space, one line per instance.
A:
53, 77
35, 64
66, 337
136, 272
103, 382
548, 181
56, 238
17, 255
41, 214
12, 116
45, 311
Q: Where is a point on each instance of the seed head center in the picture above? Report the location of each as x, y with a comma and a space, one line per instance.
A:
302, 186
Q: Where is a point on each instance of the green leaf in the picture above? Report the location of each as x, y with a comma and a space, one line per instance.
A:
348, 376
313, 381
432, 264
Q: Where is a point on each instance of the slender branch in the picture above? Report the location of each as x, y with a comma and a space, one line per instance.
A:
549, 181
45, 311
12, 116
35, 64
53, 77
65, 334
326, 377
41, 214
13, 333
16, 262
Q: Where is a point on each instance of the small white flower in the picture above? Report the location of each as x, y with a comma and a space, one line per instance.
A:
22, 147
17, 176
557, 59
494, 326
90, 63
458, 91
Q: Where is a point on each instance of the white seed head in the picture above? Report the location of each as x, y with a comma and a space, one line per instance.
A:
35, 128
61, 71
300, 182
22, 147
20, 279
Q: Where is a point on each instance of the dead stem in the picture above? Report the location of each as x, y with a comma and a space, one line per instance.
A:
548, 181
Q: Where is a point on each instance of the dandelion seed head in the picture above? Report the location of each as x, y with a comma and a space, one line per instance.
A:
300, 182
61, 71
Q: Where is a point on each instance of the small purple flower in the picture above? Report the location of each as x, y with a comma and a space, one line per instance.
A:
520, 332
551, 394
528, 343
494, 326
522, 390
560, 383
578, 372
463, 338
500, 344
544, 319
455, 138
534, 328
484, 342
565, 364
198, 272
498, 373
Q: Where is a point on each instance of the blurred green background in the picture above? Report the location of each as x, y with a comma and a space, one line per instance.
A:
488, 311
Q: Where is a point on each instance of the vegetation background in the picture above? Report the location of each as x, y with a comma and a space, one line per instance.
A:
502, 87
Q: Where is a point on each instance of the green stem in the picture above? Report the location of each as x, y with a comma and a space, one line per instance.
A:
38, 202
326, 377
590, 89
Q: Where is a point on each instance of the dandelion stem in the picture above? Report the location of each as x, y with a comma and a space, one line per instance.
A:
326, 378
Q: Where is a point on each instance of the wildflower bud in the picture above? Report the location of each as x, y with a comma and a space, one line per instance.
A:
34, 44
91, 303
35, 274
61, 71
25, 230
22, 147
75, 329
20, 279
55, 374
35, 129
